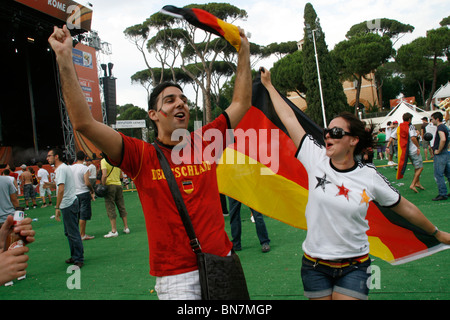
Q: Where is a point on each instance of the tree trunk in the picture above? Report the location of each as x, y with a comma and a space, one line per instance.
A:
433, 85
358, 93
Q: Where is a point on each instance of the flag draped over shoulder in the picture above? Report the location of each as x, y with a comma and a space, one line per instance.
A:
208, 22
402, 148
278, 186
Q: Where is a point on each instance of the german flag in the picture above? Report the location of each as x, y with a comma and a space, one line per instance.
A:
402, 148
208, 22
278, 186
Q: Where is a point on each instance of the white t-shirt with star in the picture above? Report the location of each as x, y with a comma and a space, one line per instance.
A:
338, 202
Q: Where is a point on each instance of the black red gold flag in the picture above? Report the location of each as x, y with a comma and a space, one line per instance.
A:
206, 21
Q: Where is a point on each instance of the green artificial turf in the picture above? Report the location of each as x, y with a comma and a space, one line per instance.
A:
118, 268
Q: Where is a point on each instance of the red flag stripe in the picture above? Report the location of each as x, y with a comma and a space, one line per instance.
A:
207, 18
288, 166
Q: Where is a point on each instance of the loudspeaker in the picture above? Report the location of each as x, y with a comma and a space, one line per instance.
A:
109, 92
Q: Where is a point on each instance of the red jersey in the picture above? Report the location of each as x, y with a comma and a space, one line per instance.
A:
170, 252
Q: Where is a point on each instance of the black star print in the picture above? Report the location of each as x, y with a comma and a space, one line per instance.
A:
322, 182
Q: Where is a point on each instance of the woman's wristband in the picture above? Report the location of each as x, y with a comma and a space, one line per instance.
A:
436, 230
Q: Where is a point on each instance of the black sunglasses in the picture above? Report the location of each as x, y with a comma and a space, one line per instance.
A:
335, 133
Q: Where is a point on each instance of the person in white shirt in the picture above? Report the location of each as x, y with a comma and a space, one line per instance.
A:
43, 177
391, 147
92, 172
431, 128
84, 192
414, 154
340, 190
67, 205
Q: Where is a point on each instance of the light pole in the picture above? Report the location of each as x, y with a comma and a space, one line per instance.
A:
320, 81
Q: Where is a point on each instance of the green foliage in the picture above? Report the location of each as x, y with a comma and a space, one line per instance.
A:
421, 61
362, 54
281, 49
138, 30
412, 60
132, 112
223, 11
333, 94
385, 27
445, 21
287, 74
390, 81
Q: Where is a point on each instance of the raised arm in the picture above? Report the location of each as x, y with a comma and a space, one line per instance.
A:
286, 114
242, 95
105, 138
410, 212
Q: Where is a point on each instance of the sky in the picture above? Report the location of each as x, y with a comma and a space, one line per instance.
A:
268, 21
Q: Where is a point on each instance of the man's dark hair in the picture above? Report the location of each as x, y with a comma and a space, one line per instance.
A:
407, 117
156, 91
59, 153
81, 155
438, 116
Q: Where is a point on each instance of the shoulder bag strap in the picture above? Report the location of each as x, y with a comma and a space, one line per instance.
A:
195, 244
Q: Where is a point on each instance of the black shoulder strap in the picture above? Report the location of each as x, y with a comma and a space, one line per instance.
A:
195, 244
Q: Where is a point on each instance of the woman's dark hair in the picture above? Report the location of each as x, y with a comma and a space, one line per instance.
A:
154, 98
358, 129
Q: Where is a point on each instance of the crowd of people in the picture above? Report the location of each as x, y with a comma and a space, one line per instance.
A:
75, 189
427, 138
336, 239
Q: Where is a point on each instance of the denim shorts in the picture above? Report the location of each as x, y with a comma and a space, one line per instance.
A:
320, 281
85, 206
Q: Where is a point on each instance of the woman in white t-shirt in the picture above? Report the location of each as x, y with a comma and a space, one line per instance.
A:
336, 246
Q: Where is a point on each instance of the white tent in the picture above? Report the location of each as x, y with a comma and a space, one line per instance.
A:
442, 93
397, 115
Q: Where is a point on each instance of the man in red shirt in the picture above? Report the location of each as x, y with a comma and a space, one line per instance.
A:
172, 260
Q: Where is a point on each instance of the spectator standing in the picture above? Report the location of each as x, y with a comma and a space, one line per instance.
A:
92, 173
391, 147
28, 189
114, 197
425, 144
236, 228
8, 198
67, 205
43, 177
441, 155
84, 192
381, 144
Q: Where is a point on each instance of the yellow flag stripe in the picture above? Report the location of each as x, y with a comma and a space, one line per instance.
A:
231, 33
379, 249
251, 183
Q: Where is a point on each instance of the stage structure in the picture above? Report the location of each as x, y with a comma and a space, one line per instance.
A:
33, 116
